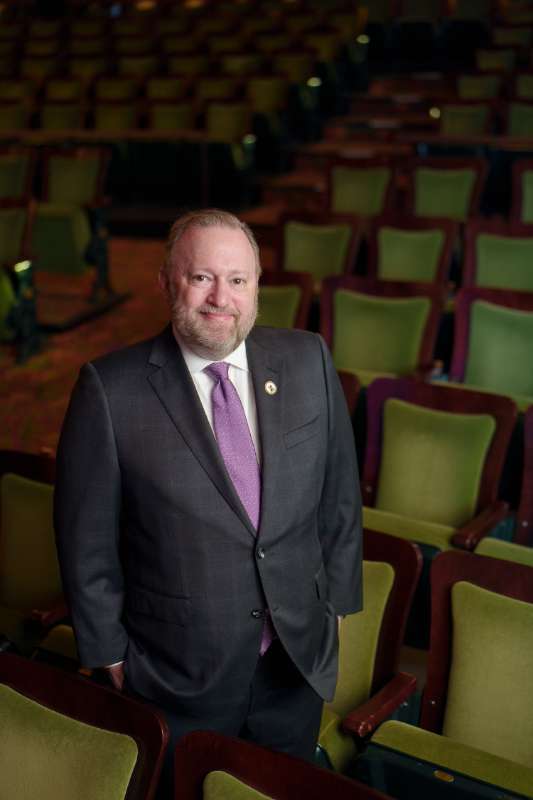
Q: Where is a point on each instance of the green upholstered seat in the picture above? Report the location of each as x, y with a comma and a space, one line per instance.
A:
270, 42
377, 335
61, 640
240, 63
501, 60
29, 569
87, 68
139, 66
133, 46
87, 27
524, 86
520, 119
359, 191
179, 44
63, 90
459, 120
419, 745
507, 551
128, 27
170, 116
115, 117
478, 87
13, 171
505, 37
358, 640
319, 250
432, 462
114, 89
443, 192
188, 65
488, 718
41, 48
221, 786
214, 87
42, 28
38, 68
409, 255
278, 305
47, 755
168, 27
415, 530
500, 350
15, 89
60, 116
12, 116
165, 88
226, 122
87, 47
72, 181
60, 238
505, 262
265, 93
527, 197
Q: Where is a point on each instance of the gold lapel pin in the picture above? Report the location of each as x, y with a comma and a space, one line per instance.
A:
270, 387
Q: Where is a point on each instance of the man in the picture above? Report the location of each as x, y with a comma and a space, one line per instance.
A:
207, 508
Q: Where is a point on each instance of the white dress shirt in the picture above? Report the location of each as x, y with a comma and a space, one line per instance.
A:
240, 376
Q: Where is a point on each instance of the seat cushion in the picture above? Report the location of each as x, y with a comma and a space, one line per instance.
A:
432, 462
507, 551
523, 401
47, 756
443, 752
221, 786
379, 334
490, 703
500, 349
415, 530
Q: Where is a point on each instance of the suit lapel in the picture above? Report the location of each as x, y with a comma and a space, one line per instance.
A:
174, 386
265, 366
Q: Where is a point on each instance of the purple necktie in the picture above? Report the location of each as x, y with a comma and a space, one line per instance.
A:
238, 452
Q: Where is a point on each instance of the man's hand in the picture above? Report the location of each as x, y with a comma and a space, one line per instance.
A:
116, 673
339, 620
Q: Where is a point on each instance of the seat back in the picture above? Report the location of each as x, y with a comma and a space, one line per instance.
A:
266, 93
15, 89
29, 568
13, 116
504, 261
407, 255
478, 87
320, 250
520, 119
60, 116
391, 329
16, 173
464, 120
480, 662
165, 89
511, 36
138, 66
497, 60
12, 230
432, 462
297, 67
500, 349
115, 116
523, 86
285, 299
87, 68
226, 122
170, 116
443, 193
102, 743
114, 90
71, 180
63, 90
359, 188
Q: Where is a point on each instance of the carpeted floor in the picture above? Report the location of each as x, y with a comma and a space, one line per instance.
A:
34, 397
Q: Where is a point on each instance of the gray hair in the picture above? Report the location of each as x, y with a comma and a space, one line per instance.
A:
206, 218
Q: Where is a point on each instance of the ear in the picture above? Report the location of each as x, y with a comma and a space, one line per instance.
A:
164, 284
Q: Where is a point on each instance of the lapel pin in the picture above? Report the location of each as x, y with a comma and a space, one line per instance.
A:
270, 387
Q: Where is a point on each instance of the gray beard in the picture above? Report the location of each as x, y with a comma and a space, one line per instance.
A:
203, 336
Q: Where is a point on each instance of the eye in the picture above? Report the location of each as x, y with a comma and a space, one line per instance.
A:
199, 278
239, 281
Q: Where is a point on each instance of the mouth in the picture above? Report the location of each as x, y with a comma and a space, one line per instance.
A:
212, 315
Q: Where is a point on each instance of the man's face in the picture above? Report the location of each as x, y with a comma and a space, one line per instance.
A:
212, 292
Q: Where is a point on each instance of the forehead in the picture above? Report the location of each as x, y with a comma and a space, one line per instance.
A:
219, 250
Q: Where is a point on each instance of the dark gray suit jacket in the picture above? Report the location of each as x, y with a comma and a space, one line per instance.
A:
158, 556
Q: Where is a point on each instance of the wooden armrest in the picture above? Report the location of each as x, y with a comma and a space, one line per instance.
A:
367, 717
469, 535
50, 614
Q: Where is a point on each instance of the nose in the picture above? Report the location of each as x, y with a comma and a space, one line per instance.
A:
219, 294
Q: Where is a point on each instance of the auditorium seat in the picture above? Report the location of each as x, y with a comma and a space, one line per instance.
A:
444, 186
363, 186
475, 725
370, 686
498, 253
285, 299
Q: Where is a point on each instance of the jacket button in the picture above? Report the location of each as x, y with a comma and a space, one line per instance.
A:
261, 553
257, 614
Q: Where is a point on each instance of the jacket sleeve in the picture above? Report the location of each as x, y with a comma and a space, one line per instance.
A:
87, 502
340, 510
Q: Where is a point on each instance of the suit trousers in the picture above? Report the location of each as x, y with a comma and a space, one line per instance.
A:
279, 710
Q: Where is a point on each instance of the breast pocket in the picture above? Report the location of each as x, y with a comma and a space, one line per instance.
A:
165, 607
302, 434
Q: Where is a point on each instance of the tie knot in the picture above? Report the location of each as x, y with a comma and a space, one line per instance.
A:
218, 370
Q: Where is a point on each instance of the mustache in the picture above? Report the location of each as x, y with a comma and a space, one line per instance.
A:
208, 309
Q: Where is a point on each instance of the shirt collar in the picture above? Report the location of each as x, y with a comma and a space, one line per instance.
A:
196, 363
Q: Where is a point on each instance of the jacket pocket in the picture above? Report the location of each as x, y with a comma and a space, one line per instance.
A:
321, 582
165, 607
302, 434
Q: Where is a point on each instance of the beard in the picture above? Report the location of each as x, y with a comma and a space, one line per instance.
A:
211, 340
